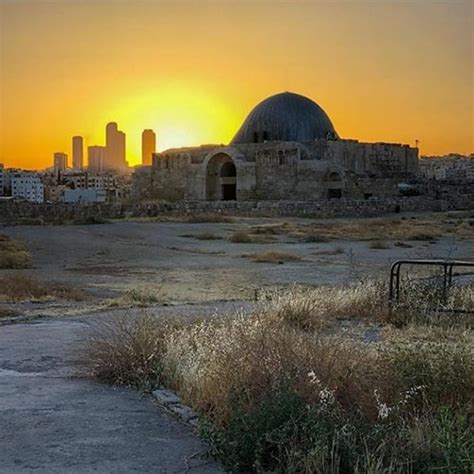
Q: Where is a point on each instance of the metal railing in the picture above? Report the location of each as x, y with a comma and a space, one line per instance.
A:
447, 275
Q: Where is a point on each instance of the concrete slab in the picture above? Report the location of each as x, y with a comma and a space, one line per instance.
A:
52, 422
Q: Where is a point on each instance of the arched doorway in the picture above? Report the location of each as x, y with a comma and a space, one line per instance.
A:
221, 178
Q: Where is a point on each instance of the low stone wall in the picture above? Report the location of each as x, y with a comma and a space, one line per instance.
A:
28, 213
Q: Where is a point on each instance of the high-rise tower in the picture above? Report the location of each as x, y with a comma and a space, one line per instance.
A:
96, 159
148, 146
121, 162
60, 161
114, 148
77, 153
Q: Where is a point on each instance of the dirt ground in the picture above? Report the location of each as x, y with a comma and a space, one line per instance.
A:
56, 421
110, 259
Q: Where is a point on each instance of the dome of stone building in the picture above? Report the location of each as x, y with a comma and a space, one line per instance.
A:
285, 117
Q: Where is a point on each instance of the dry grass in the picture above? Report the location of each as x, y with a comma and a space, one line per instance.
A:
284, 394
241, 237
244, 237
403, 245
379, 245
311, 309
124, 351
202, 236
334, 251
428, 227
7, 313
209, 218
140, 297
265, 230
274, 256
21, 288
13, 254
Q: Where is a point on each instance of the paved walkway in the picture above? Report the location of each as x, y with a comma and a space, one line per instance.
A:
53, 422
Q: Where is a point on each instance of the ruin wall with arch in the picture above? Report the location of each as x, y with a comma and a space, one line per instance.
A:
315, 170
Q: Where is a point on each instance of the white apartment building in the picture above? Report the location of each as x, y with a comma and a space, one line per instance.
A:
84, 196
27, 186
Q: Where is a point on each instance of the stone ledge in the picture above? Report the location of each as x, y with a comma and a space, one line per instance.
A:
166, 397
172, 403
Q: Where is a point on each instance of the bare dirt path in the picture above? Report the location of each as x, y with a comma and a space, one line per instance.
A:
53, 422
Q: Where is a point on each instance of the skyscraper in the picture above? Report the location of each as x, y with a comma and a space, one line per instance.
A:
148, 146
77, 153
60, 161
96, 157
121, 162
114, 148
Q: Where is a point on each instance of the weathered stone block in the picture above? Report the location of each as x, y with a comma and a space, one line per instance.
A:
184, 412
166, 397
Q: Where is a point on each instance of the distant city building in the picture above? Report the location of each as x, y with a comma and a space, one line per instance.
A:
114, 148
104, 181
89, 195
28, 186
77, 153
2, 180
148, 146
121, 153
60, 161
96, 157
53, 193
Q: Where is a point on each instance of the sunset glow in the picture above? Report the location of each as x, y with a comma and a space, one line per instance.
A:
192, 71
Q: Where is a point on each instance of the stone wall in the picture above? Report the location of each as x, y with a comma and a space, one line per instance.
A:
29, 213
281, 170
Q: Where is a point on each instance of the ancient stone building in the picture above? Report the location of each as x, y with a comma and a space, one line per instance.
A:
287, 148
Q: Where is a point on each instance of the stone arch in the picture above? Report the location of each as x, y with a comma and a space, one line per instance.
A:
221, 178
335, 179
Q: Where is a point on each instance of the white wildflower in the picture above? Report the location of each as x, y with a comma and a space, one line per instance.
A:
326, 398
313, 378
383, 409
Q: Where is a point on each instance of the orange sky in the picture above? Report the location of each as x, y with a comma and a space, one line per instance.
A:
191, 70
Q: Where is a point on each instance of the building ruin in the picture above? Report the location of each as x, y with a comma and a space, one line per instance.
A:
287, 149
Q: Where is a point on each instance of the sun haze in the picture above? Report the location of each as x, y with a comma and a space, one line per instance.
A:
191, 71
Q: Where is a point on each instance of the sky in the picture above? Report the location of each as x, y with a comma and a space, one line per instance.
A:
383, 70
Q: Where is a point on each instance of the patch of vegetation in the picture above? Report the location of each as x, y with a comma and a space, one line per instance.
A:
209, 218
274, 256
30, 221
22, 288
207, 236
334, 251
7, 313
140, 297
241, 237
90, 220
125, 351
379, 245
13, 254
428, 227
286, 390
202, 236
315, 238
403, 245
265, 230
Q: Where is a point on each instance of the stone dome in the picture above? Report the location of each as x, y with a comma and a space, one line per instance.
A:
285, 117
